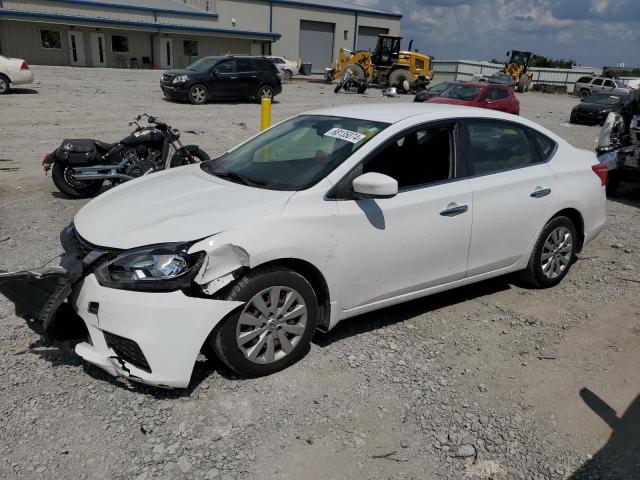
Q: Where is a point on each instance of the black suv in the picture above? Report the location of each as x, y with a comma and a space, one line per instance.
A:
223, 77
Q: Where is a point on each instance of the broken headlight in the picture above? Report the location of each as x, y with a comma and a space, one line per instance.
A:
156, 268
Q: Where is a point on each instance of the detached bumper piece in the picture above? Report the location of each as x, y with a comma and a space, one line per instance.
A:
38, 295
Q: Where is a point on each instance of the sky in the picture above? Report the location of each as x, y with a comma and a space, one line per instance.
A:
595, 33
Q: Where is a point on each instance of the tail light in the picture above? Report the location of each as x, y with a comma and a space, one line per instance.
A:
600, 169
24, 66
46, 162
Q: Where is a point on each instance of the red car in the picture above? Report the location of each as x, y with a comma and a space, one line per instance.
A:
480, 94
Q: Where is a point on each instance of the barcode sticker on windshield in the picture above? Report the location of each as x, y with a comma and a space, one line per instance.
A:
346, 135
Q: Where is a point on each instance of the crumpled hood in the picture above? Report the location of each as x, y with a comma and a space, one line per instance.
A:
176, 205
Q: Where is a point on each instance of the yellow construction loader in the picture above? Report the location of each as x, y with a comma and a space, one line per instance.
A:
517, 67
386, 65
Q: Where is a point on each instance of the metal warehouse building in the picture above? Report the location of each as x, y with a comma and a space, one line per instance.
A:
173, 33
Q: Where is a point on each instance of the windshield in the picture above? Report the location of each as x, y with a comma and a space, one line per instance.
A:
603, 99
462, 92
441, 87
203, 64
296, 154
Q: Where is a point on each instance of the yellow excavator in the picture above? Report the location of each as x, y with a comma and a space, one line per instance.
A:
386, 65
518, 68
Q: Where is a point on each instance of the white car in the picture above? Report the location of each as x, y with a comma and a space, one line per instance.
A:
13, 71
325, 216
287, 67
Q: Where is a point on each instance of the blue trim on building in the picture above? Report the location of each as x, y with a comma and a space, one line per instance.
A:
153, 26
355, 32
353, 9
139, 8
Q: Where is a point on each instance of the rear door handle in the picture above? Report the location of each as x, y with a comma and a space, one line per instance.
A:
540, 192
454, 210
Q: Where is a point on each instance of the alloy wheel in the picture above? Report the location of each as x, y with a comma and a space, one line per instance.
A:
557, 252
265, 92
198, 94
271, 324
4, 86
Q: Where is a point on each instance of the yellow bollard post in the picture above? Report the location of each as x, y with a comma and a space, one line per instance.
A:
265, 119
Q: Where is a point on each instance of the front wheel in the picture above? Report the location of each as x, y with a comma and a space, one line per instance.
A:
274, 327
198, 95
63, 180
189, 157
553, 254
338, 88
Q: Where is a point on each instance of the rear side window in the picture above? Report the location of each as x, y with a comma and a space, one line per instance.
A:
496, 146
246, 65
597, 81
266, 66
546, 146
500, 94
584, 80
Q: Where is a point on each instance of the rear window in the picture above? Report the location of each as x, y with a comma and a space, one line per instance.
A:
545, 145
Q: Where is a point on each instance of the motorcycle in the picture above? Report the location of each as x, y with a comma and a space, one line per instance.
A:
80, 167
619, 145
351, 83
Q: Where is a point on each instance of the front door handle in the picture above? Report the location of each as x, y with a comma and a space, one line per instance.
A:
540, 192
453, 210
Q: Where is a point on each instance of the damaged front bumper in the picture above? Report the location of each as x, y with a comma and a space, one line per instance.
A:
150, 337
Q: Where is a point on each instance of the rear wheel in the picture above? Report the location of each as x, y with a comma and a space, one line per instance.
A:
288, 74
62, 179
357, 71
4, 84
274, 327
198, 95
553, 254
522, 84
584, 93
265, 91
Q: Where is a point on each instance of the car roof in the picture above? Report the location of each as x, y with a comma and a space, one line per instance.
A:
394, 113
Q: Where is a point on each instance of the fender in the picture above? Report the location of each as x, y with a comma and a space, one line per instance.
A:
49, 159
182, 153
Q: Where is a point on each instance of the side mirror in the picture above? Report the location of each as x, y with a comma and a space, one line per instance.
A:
375, 185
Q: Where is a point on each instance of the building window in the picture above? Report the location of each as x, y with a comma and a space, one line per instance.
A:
50, 39
346, 34
119, 44
190, 48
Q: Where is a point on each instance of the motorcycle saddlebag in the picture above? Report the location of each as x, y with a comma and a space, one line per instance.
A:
77, 152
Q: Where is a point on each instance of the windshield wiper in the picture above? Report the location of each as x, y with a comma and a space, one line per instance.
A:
238, 178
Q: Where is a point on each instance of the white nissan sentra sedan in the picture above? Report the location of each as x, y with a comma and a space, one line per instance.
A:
327, 215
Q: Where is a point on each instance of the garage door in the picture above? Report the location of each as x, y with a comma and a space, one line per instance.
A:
316, 44
368, 37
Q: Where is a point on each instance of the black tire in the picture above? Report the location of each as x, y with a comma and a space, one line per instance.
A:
338, 87
533, 275
198, 94
584, 93
522, 84
80, 189
224, 342
357, 71
197, 155
264, 91
398, 77
5, 84
613, 183
288, 74
362, 89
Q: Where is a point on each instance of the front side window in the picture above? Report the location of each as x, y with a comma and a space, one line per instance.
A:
609, 83
203, 64
50, 39
418, 158
496, 146
227, 67
190, 48
500, 94
296, 154
119, 44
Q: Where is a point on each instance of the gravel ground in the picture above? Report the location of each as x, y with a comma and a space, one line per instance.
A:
492, 381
